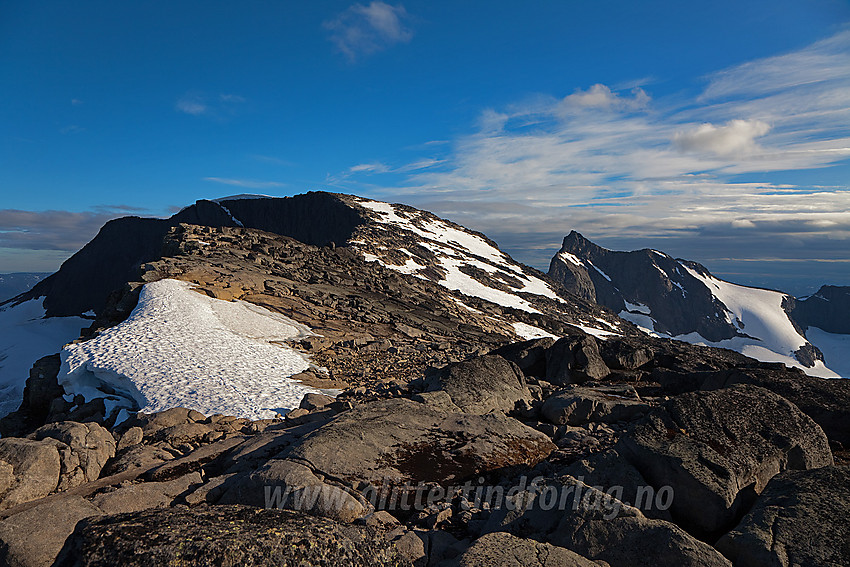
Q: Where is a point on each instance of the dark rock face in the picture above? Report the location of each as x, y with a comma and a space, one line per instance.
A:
482, 384
221, 535
679, 302
315, 218
113, 257
828, 309
718, 450
799, 520
40, 390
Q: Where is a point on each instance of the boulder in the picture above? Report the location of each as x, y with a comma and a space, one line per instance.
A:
577, 405
573, 360
718, 449
312, 401
34, 537
624, 355
36, 468
400, 441
504, 549
595, 524
222, 535
482, 384
289, 485
799, 519
87, 448
530, 355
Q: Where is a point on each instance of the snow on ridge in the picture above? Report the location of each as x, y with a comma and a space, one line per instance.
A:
179, 348
454, 248
242, 197
573, 259
234, 219
25, 336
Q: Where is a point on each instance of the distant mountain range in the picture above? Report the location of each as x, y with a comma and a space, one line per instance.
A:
681, 299
18, 282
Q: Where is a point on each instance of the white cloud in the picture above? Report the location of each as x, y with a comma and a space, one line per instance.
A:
616, 165
250, 183
601, 96
191, 105
365, 29
198, 104
736, 137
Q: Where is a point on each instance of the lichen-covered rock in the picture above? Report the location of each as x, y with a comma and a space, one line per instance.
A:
222, 535
718, 450
799, 519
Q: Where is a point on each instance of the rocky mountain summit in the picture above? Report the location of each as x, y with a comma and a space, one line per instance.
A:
681, 299
457, 409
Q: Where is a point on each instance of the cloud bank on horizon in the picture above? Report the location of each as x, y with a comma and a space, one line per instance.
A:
621, 165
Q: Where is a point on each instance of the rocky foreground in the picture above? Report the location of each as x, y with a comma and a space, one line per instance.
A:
453, 442
477, 463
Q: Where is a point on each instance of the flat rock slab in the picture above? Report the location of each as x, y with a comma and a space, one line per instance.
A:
799, 519
401, 441
221, 535
577, 405
718, 450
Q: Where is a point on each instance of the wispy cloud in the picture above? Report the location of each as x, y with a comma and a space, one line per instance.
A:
249, 183
198, 104
364, 29
620, 164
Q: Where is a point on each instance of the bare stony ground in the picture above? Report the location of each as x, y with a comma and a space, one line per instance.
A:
453, 443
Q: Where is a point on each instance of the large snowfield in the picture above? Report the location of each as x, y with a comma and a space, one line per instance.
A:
180, 348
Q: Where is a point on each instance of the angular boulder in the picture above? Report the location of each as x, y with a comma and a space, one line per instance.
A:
595, 524
718, 449
35, 469
85, 449
481, 385
33, 537
575, 359
799, 519
577, 405
529, 355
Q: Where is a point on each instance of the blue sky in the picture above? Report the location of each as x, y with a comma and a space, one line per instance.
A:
715, 131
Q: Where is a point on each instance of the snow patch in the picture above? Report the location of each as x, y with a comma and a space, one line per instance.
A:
527, 332
179, 348
454, 248
835, 348
637, 307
